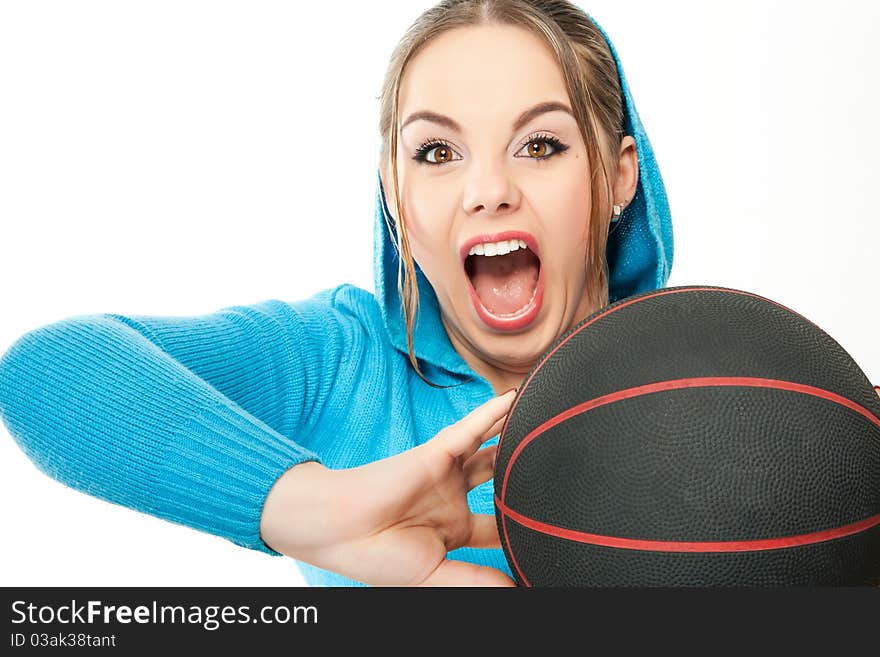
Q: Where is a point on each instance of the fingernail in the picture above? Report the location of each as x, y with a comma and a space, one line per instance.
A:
506, 391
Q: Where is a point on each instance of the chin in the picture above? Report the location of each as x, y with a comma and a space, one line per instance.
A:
520, 350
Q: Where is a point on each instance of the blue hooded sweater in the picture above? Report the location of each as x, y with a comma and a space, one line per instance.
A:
193, 418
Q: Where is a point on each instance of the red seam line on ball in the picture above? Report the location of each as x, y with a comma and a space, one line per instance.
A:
676, 384
690, 546
507, 543
659, 387
615, 309
525, 385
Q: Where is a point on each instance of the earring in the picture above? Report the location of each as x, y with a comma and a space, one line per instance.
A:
617, 209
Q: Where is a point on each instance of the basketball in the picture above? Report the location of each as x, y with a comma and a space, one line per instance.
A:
692, 436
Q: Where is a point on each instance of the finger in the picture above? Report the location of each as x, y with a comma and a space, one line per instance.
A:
462, 573
495, 429
480, 467
475, 445
485, 532
465, 436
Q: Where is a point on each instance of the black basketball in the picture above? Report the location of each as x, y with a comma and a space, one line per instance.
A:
692, 436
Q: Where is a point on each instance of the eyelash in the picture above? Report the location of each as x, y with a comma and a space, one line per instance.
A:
431, 144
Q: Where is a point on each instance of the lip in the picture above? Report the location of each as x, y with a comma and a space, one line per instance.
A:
530, 312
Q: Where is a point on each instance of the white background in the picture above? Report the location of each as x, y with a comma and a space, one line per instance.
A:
179, 157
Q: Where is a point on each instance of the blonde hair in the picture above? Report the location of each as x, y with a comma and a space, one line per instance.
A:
591, 79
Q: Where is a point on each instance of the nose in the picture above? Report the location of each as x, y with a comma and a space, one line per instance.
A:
490, 192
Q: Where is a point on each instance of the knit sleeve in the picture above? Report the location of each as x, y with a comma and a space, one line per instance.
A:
191, 419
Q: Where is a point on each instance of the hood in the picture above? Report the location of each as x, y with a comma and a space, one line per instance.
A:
639, 251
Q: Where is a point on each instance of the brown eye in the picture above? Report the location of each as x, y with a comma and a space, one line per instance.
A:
538, 148
443, 154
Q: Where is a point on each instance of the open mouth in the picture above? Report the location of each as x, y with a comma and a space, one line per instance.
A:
505, 278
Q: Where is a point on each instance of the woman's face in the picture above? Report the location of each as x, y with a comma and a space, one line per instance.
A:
479, 174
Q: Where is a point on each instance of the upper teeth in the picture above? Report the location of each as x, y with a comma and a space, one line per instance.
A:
497, 248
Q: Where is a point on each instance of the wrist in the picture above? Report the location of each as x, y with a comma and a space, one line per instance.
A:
295, 509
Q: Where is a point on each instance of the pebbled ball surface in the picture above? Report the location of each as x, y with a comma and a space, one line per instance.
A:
711, 463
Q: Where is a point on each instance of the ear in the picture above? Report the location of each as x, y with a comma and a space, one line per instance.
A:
627, 172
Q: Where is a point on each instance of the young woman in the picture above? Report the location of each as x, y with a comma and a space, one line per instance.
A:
517, 194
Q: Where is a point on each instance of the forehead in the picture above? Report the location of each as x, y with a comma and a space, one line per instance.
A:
479, 72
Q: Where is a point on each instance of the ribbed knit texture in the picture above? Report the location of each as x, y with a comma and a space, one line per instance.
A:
193, 419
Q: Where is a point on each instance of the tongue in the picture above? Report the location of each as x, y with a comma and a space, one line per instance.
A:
505, 283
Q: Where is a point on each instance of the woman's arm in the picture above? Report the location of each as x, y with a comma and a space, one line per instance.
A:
190, 419
186, 418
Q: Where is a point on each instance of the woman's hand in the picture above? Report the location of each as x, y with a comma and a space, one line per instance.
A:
391, 522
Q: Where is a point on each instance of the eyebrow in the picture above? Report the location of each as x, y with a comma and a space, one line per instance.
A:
522, 119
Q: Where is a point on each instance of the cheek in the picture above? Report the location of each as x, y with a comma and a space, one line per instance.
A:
427, 230
567, 212
419, 246
417, 226
427, 211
